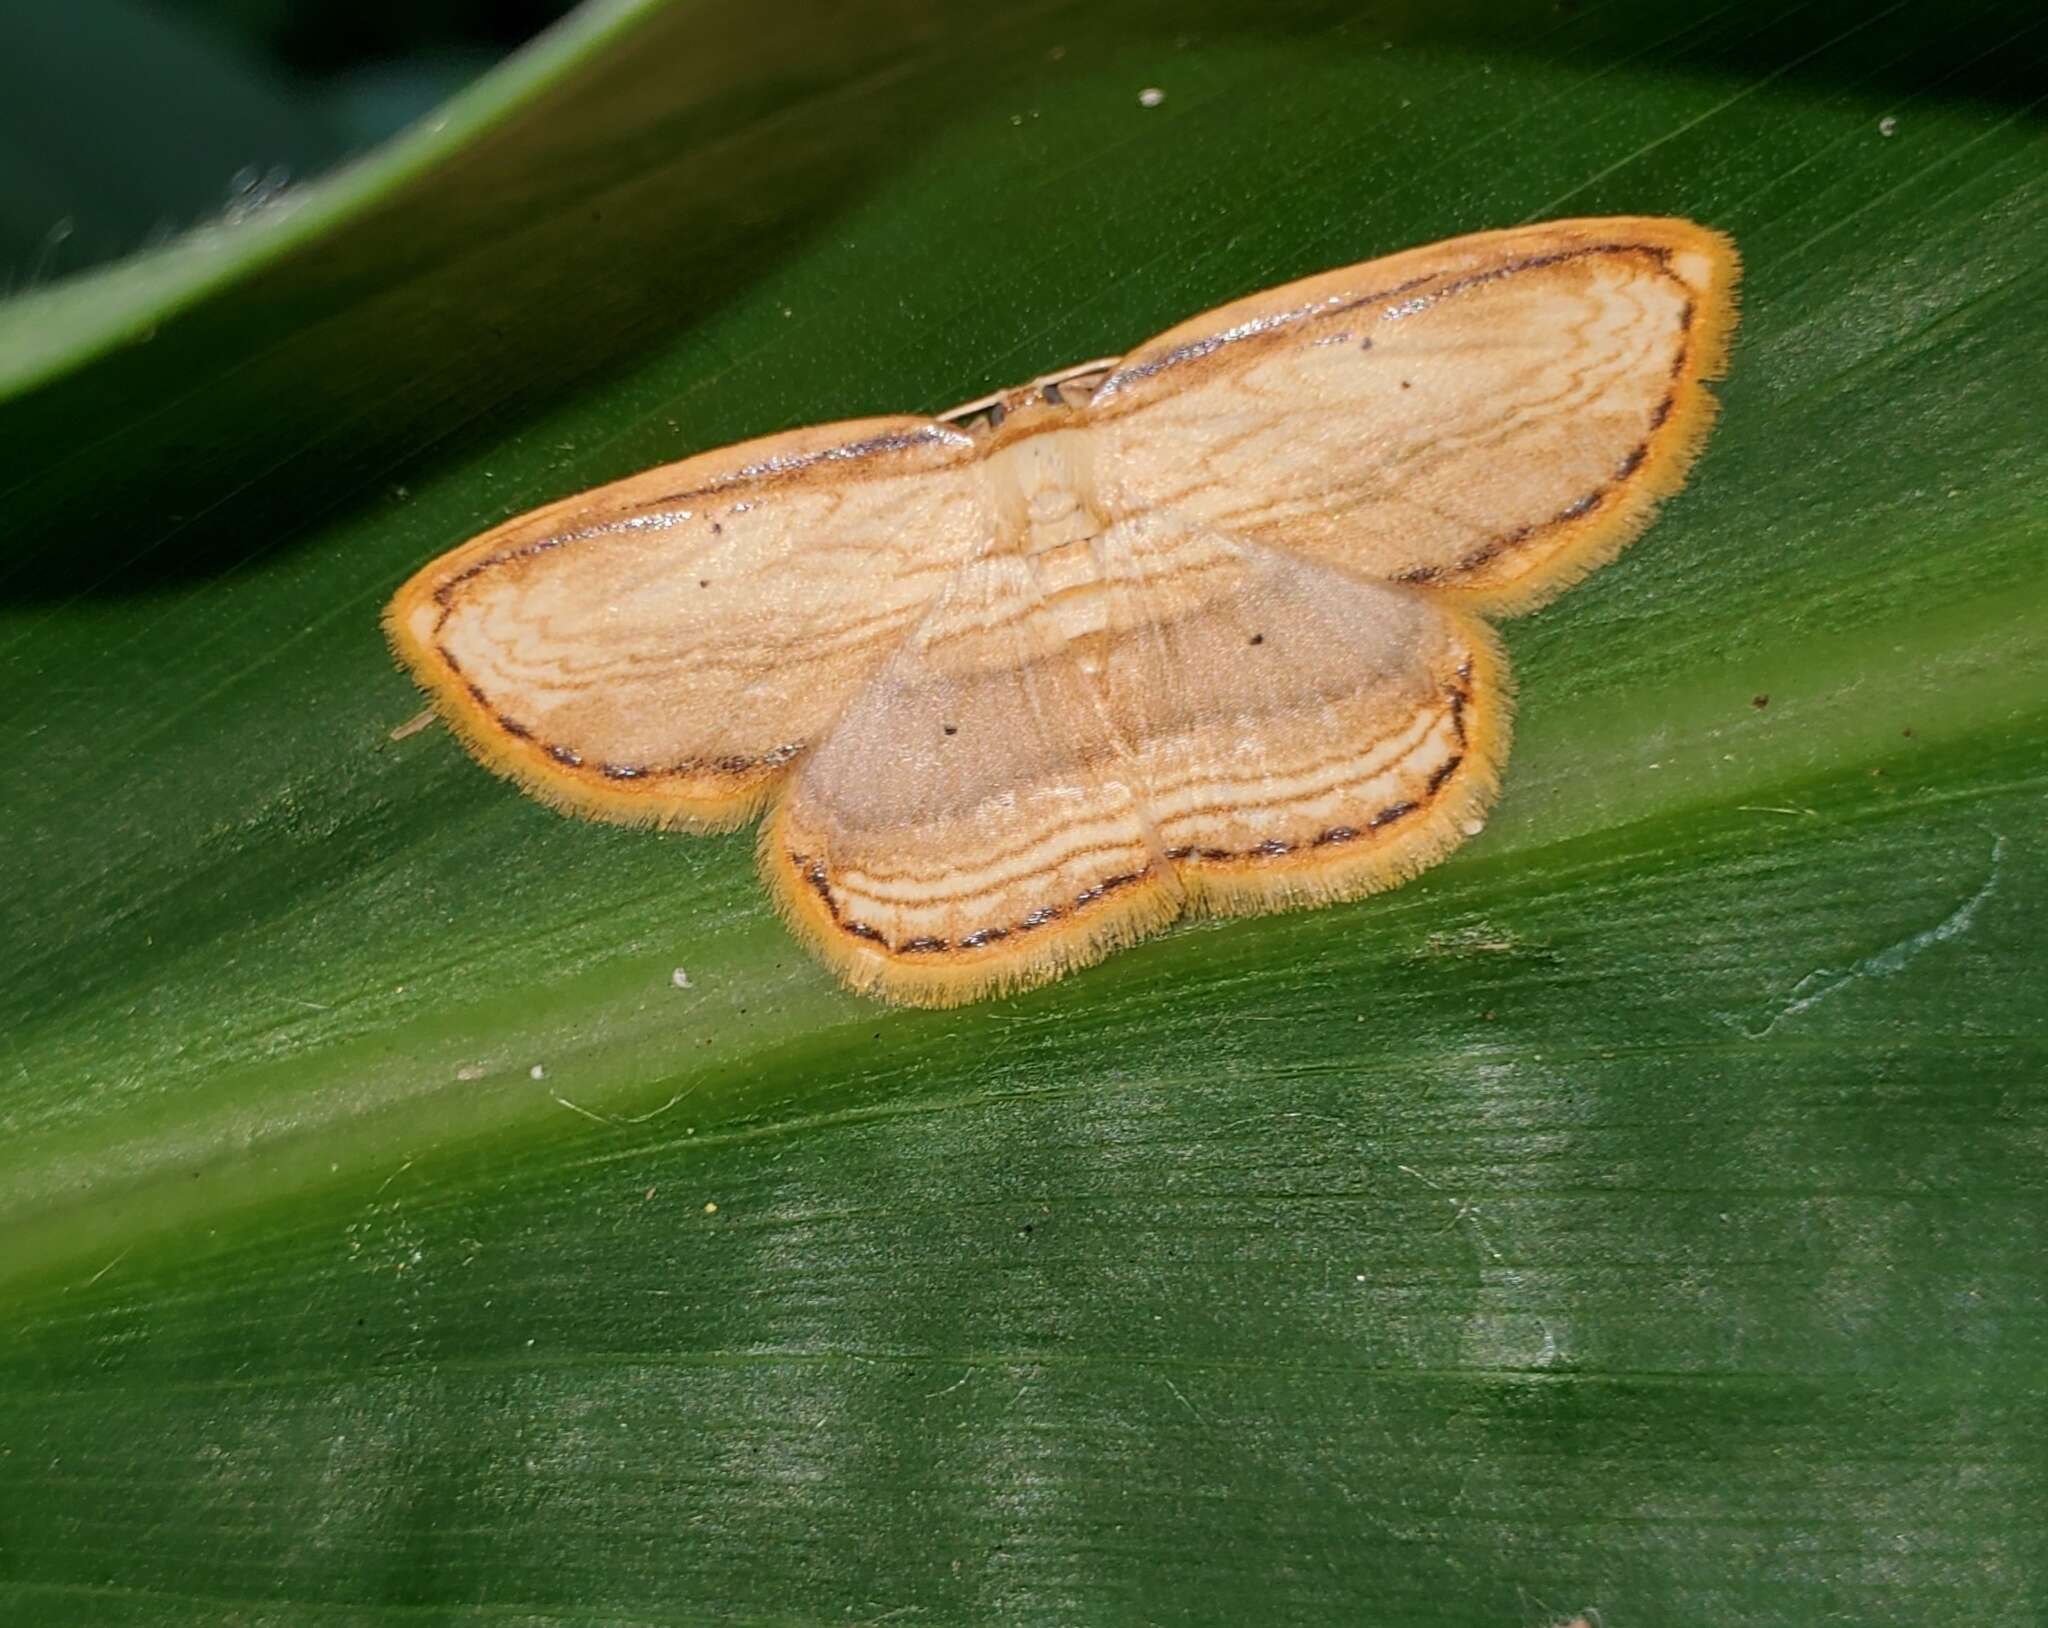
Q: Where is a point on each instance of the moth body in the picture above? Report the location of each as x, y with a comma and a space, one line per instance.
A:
1202, 628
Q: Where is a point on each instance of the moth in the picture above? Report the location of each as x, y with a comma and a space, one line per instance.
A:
1204, 628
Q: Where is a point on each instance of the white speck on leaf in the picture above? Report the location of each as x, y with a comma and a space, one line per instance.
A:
679, 978
1887, 125
1151, 96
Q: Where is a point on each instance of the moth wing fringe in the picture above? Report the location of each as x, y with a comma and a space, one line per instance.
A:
1416, 843
1676, 447
954, 978
562, 789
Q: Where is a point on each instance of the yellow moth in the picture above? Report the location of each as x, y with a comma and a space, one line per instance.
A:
1202, 628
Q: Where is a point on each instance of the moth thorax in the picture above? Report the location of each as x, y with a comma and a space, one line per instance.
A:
1044, 491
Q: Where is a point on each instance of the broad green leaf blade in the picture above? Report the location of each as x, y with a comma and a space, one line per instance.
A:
1640, 1213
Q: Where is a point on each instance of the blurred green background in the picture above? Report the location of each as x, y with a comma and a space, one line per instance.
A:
197, 107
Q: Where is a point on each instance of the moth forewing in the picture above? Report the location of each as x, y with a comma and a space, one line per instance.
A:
661, 649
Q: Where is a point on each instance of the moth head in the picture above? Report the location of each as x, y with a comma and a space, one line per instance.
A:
1044, 403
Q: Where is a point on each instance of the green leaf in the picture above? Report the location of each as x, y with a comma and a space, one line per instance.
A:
1642, 1213
119, 125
